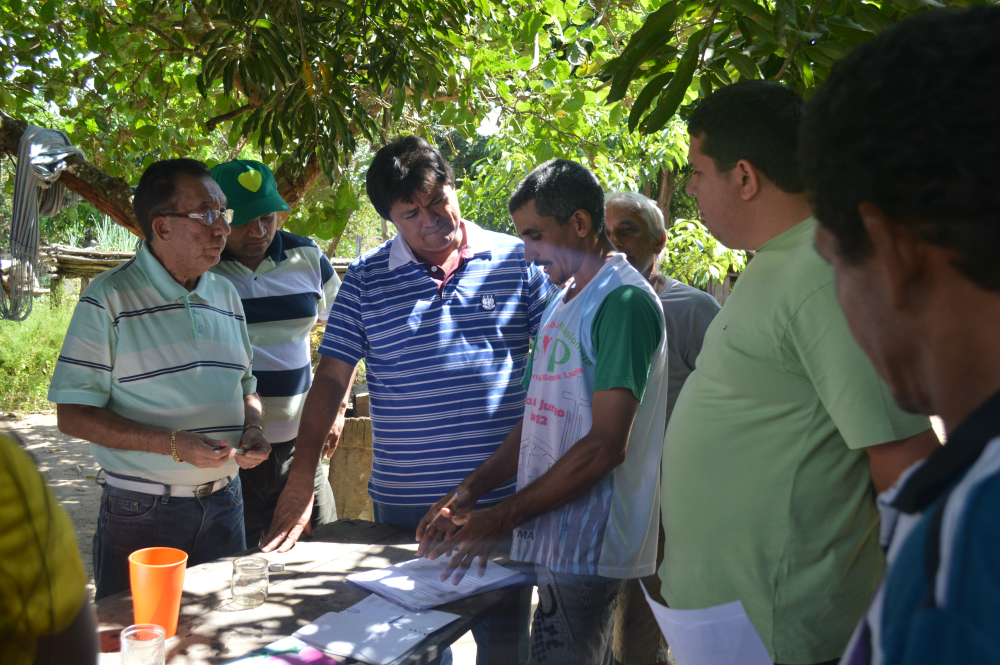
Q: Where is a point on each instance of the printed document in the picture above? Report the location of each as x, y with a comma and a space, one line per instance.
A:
416, 584
361, 632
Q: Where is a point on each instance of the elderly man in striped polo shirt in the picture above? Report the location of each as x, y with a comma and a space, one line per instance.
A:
286, 284
155, 373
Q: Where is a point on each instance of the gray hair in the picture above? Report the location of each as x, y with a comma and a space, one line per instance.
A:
644, 209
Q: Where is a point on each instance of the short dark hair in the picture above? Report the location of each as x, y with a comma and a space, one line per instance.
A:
405, 165
753, 120
908, 122
157, 186
559, 188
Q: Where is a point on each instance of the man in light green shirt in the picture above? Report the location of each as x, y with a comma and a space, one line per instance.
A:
784, 432
155, 373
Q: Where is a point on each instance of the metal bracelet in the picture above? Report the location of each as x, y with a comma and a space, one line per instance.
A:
173, 446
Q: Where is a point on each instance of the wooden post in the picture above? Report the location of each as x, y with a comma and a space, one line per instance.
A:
350, 468
56, 290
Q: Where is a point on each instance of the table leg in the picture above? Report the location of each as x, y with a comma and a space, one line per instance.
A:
505, 628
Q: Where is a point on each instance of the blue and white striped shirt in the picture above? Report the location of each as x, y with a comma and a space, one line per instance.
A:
293, 286
444, 369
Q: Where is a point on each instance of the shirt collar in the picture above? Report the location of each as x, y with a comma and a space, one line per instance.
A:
276, 250
476, 239
166, 286
949, 462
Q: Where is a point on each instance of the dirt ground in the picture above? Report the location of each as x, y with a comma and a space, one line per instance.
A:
69, 468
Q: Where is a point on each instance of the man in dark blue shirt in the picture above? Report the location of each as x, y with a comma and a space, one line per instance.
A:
900, 149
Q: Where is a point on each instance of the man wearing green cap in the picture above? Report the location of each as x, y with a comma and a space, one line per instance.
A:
286, 283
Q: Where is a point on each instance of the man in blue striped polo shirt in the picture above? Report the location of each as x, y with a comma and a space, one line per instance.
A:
155, 373
286, 283
442, 315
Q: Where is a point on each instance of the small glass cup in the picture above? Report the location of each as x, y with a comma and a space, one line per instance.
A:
249, 585
143, 644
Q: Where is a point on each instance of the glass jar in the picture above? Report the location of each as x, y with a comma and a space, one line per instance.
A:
143, 644
249, 585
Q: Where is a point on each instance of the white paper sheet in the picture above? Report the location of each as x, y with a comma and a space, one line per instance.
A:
720, 635
415, 584
377, 608
370, 640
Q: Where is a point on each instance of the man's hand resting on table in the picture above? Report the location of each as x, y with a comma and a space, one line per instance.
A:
481, 532
431, 531
291, 517
460, 527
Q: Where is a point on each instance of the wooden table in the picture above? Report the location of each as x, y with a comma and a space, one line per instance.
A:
210, 631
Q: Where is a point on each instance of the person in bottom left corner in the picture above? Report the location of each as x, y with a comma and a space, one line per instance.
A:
155, 373
45, 610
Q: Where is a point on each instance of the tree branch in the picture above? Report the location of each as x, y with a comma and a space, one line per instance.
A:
211, 123
112, 196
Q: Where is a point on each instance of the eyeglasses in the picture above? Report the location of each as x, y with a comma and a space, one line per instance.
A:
208, 217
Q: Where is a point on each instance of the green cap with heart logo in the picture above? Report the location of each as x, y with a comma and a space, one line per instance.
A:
250, 189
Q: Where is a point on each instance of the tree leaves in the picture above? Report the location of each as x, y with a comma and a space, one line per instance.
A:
655, 32
674, 93
792, 41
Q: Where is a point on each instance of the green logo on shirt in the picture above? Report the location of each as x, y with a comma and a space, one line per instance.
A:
560, 351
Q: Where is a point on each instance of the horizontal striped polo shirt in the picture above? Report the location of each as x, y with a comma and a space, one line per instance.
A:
292, 287
147, 349
443, 367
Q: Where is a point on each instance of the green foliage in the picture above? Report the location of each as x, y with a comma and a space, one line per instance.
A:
112, 237
28, 352
687, 48
693, 256
138, 80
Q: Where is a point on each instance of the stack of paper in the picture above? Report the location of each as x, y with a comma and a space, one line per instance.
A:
373, 631
416, 584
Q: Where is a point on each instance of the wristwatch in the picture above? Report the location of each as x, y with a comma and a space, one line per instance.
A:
257, 425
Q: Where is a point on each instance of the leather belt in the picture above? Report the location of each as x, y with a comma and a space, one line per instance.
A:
159, 489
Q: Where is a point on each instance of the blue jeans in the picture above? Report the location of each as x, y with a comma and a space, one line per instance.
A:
575, 618
409, 517
206, 528
263, 485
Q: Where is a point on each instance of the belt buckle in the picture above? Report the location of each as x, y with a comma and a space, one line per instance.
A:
204, 490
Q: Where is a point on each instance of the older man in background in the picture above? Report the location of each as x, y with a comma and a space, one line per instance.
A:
636, 228
155, 373
286, 284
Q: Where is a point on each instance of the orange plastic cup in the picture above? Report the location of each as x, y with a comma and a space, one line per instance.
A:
157, 575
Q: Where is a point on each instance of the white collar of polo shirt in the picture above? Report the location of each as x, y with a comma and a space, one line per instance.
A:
400, 253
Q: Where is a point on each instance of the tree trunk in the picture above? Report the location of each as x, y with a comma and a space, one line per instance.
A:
110, 195
295, 177
665, 192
